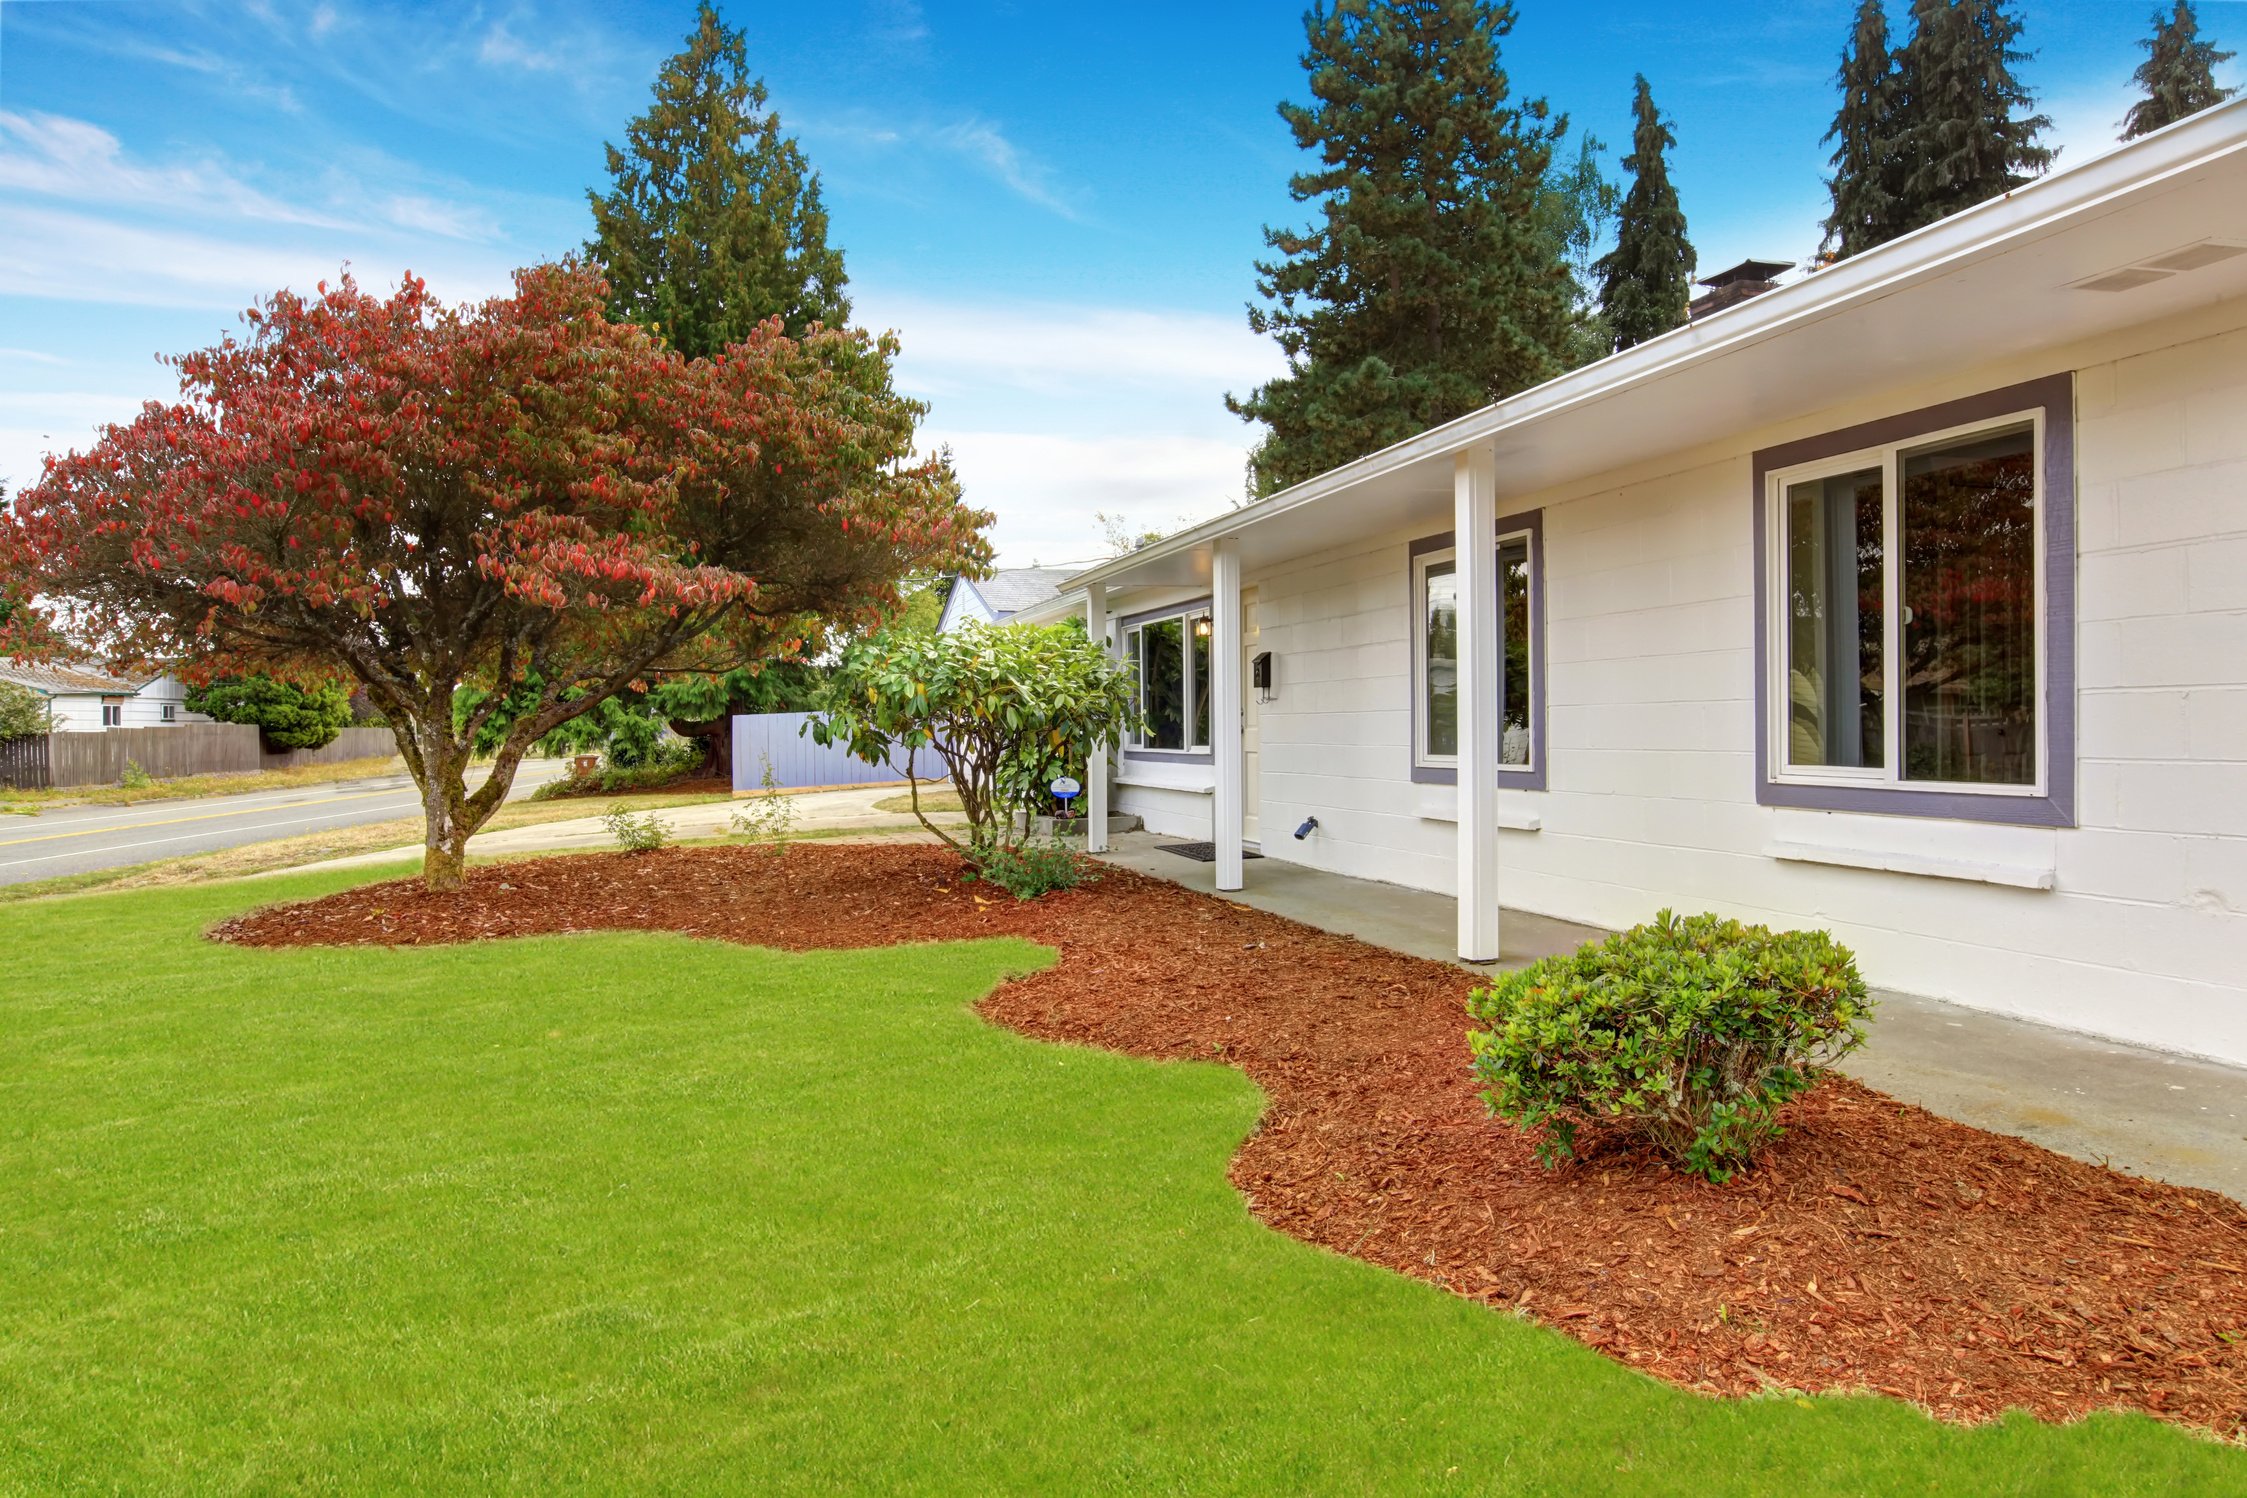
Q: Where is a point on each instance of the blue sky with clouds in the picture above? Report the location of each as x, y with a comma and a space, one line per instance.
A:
1056, 206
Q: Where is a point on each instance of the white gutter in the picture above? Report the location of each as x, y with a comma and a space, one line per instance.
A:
1922, 255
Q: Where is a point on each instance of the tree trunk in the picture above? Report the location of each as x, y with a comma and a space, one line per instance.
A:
716, 738
441, 767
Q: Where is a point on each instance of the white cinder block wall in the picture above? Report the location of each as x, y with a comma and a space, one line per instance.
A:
1651, 723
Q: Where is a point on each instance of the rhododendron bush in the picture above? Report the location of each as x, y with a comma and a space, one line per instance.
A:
517, 494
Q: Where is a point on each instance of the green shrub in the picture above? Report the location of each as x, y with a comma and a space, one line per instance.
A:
286, 715
23, 712
1692, 1032
641, 833
769, 816
134, 778
1032, 869
671, 762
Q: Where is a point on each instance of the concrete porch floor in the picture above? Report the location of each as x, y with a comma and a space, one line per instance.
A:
2146, 1112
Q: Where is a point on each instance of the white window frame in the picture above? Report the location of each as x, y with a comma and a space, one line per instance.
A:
1192, 687
1421, 564
1888, 458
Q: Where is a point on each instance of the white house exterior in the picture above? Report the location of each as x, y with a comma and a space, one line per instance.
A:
1908, 601
1000, 596
84, 698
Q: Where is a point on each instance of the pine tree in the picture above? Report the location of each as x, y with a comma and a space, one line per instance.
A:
1428, 285
1578, 208
1647, 279
2178, 75
1867, 183
1962, 143
713, 220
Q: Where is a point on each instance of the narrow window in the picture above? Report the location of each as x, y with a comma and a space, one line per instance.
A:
1969, 626
112, 715
1440, 672
1513, 660
1834, 604
171, 713
1198, 679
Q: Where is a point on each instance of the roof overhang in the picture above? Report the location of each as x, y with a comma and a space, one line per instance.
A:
2000, 281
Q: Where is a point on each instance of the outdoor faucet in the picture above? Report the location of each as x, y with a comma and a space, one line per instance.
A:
1310, 825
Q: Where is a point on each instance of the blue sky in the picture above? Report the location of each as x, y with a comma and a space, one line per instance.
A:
1056, 206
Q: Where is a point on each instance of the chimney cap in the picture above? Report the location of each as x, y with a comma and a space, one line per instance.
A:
1746, 270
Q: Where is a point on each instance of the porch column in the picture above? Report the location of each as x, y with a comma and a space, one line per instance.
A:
1225, 707
1096, 762
1474, 478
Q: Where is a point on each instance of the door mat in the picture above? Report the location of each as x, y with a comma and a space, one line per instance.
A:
1201, 852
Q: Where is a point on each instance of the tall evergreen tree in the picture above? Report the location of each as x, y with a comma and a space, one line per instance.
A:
2178, 75
1579, 208
1647, 279
1964, 139
1867, 182
1428, 285
713, 220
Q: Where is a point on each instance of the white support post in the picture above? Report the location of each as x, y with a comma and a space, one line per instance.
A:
1096, 762
1475, 538
1224, 689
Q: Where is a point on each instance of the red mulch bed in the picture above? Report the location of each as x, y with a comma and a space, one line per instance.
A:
1877, 1247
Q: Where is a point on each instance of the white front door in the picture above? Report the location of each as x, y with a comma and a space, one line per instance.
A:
1251, 714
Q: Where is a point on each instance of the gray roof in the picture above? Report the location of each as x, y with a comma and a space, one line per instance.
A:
1017, 588
65, 678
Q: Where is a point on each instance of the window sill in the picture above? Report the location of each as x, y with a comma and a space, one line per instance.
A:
1199, 780
1440, 803
2019, 875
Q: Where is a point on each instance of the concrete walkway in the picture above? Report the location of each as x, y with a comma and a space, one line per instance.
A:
853, 812
2146, 1112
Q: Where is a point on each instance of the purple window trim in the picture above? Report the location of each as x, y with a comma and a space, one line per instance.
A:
1148, 616
2055, 396
1531, 778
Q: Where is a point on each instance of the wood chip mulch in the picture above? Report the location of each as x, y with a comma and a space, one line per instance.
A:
1877, 1247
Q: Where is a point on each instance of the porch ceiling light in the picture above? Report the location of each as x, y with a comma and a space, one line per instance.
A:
1201, 627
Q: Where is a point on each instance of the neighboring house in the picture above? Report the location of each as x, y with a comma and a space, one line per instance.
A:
1001, 596
84, 698
1907, 600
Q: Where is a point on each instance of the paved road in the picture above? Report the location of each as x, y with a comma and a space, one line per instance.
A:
76, 839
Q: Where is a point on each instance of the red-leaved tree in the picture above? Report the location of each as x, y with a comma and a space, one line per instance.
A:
518, 494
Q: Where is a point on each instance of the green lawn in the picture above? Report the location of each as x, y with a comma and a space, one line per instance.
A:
639, 1213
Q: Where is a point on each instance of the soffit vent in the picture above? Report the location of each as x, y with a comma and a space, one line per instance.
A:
2194, 256
2122, 280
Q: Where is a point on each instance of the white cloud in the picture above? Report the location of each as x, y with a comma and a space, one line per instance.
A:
1045, 487
502, 48
984, 143
53, 156
76, 257
1034, 346
434, 216
35, 424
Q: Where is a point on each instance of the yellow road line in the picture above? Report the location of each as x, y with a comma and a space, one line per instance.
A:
311, 809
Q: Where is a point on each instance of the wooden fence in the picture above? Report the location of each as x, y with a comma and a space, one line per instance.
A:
64, 760
777, 739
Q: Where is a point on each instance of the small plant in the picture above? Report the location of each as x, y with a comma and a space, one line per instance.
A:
643, 832
769, 816
1032, 869
135, 778
1693, 1031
